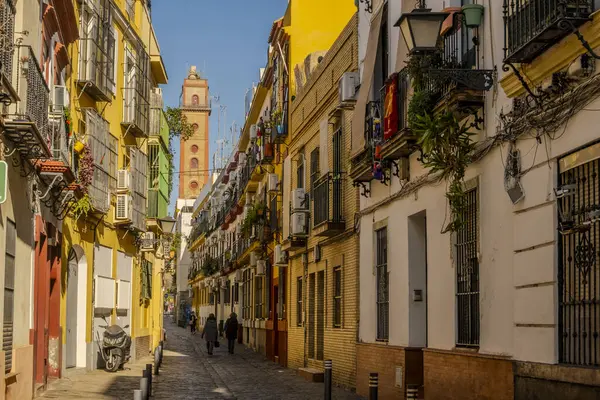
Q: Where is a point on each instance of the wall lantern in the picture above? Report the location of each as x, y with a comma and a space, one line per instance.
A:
167, 224
421, 29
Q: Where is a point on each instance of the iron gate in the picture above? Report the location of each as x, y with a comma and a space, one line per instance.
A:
578, 197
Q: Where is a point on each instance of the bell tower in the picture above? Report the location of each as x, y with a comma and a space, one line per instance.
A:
194, 152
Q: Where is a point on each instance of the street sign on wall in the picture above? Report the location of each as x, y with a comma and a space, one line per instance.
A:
3, 180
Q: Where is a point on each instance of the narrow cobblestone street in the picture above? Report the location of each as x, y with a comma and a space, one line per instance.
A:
188, 373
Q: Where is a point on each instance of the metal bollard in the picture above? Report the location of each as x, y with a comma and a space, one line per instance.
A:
137, 395
159, 358
156, 360
373, 385
144, 388
148, 374
412, 392
327, 378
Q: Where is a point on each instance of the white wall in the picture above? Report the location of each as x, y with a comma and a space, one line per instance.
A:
517, 242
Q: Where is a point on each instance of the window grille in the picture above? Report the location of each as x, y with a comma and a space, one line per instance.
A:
299, 302
310, 323
96, 37
578, 270
9, 293
103, 147
228, 292
337, 297
138, 162
467, 274
236, 293
383, 310
300, 172
146, 279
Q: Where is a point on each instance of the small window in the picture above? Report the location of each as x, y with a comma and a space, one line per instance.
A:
337, 297
194, 148
194, 163
383, 310
236, 293
195, 128
299, 302
258, 297
195, 100
193, 185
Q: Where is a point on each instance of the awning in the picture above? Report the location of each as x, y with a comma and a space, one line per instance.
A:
360, 109
60, 52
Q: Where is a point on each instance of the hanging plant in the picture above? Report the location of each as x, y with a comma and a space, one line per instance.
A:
82, 207
68, 121
447, 148
178, 123
85, 174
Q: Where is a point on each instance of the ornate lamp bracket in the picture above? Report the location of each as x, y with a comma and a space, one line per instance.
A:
368, 5
395, 170
365, 191
57, 179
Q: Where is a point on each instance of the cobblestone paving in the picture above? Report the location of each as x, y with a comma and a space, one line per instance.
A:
189, 373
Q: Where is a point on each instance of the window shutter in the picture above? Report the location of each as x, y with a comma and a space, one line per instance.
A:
323, 144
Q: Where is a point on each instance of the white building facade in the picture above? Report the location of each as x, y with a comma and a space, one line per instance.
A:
505, 305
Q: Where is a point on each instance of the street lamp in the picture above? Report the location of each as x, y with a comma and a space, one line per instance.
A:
167, 224
421, 28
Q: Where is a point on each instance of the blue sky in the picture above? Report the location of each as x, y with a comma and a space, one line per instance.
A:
225, 39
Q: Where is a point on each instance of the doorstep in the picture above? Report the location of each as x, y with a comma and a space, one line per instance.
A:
311, 374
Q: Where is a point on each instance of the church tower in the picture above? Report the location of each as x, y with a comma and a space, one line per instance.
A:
194, 152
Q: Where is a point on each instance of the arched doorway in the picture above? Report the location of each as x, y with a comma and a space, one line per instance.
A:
76, 308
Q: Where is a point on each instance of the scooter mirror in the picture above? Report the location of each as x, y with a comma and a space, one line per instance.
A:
126, 326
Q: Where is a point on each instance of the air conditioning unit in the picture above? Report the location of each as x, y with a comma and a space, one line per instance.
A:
281, 259
298, 228
261, 267
317, 253
299, 200
60, 98
253, 259
148, 241
123, 179
123, 210
347, 86
253, 132
272, 183
242, 159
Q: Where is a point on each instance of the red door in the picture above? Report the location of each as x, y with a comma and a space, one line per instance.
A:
41, 303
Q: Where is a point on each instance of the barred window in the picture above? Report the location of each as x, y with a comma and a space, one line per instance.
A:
337, 297
228, 292
236, 293
300, 172
103, 147
299, 302
383, 309
258, 297
467, 274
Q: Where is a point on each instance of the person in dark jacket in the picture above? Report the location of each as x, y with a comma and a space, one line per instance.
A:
193, 322
231, 331
210, 333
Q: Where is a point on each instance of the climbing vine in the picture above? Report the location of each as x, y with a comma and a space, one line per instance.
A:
447, 148
178, 124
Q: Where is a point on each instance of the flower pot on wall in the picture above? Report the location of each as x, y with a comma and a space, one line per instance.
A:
78, 147
473, 15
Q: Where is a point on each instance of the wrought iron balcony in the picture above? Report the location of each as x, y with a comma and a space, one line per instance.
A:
62, 144
328, 205
27, 125
362, 165
454, 76
533, 26
7, 21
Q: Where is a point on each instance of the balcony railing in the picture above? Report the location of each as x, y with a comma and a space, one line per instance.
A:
328, 203
28, 124
533, 26
7, 21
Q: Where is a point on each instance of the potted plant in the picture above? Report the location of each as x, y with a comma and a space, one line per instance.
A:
473, 15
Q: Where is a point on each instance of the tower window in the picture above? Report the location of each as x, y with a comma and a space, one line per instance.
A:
194, 163
194, 148
195, 127
193, 185
195, 100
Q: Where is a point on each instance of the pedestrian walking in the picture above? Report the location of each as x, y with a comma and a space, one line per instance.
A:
210, 333
231, 329
193, 322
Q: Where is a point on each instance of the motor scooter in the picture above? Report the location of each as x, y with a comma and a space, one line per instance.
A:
116, 346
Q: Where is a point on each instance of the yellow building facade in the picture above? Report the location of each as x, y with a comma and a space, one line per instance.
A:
116, 67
